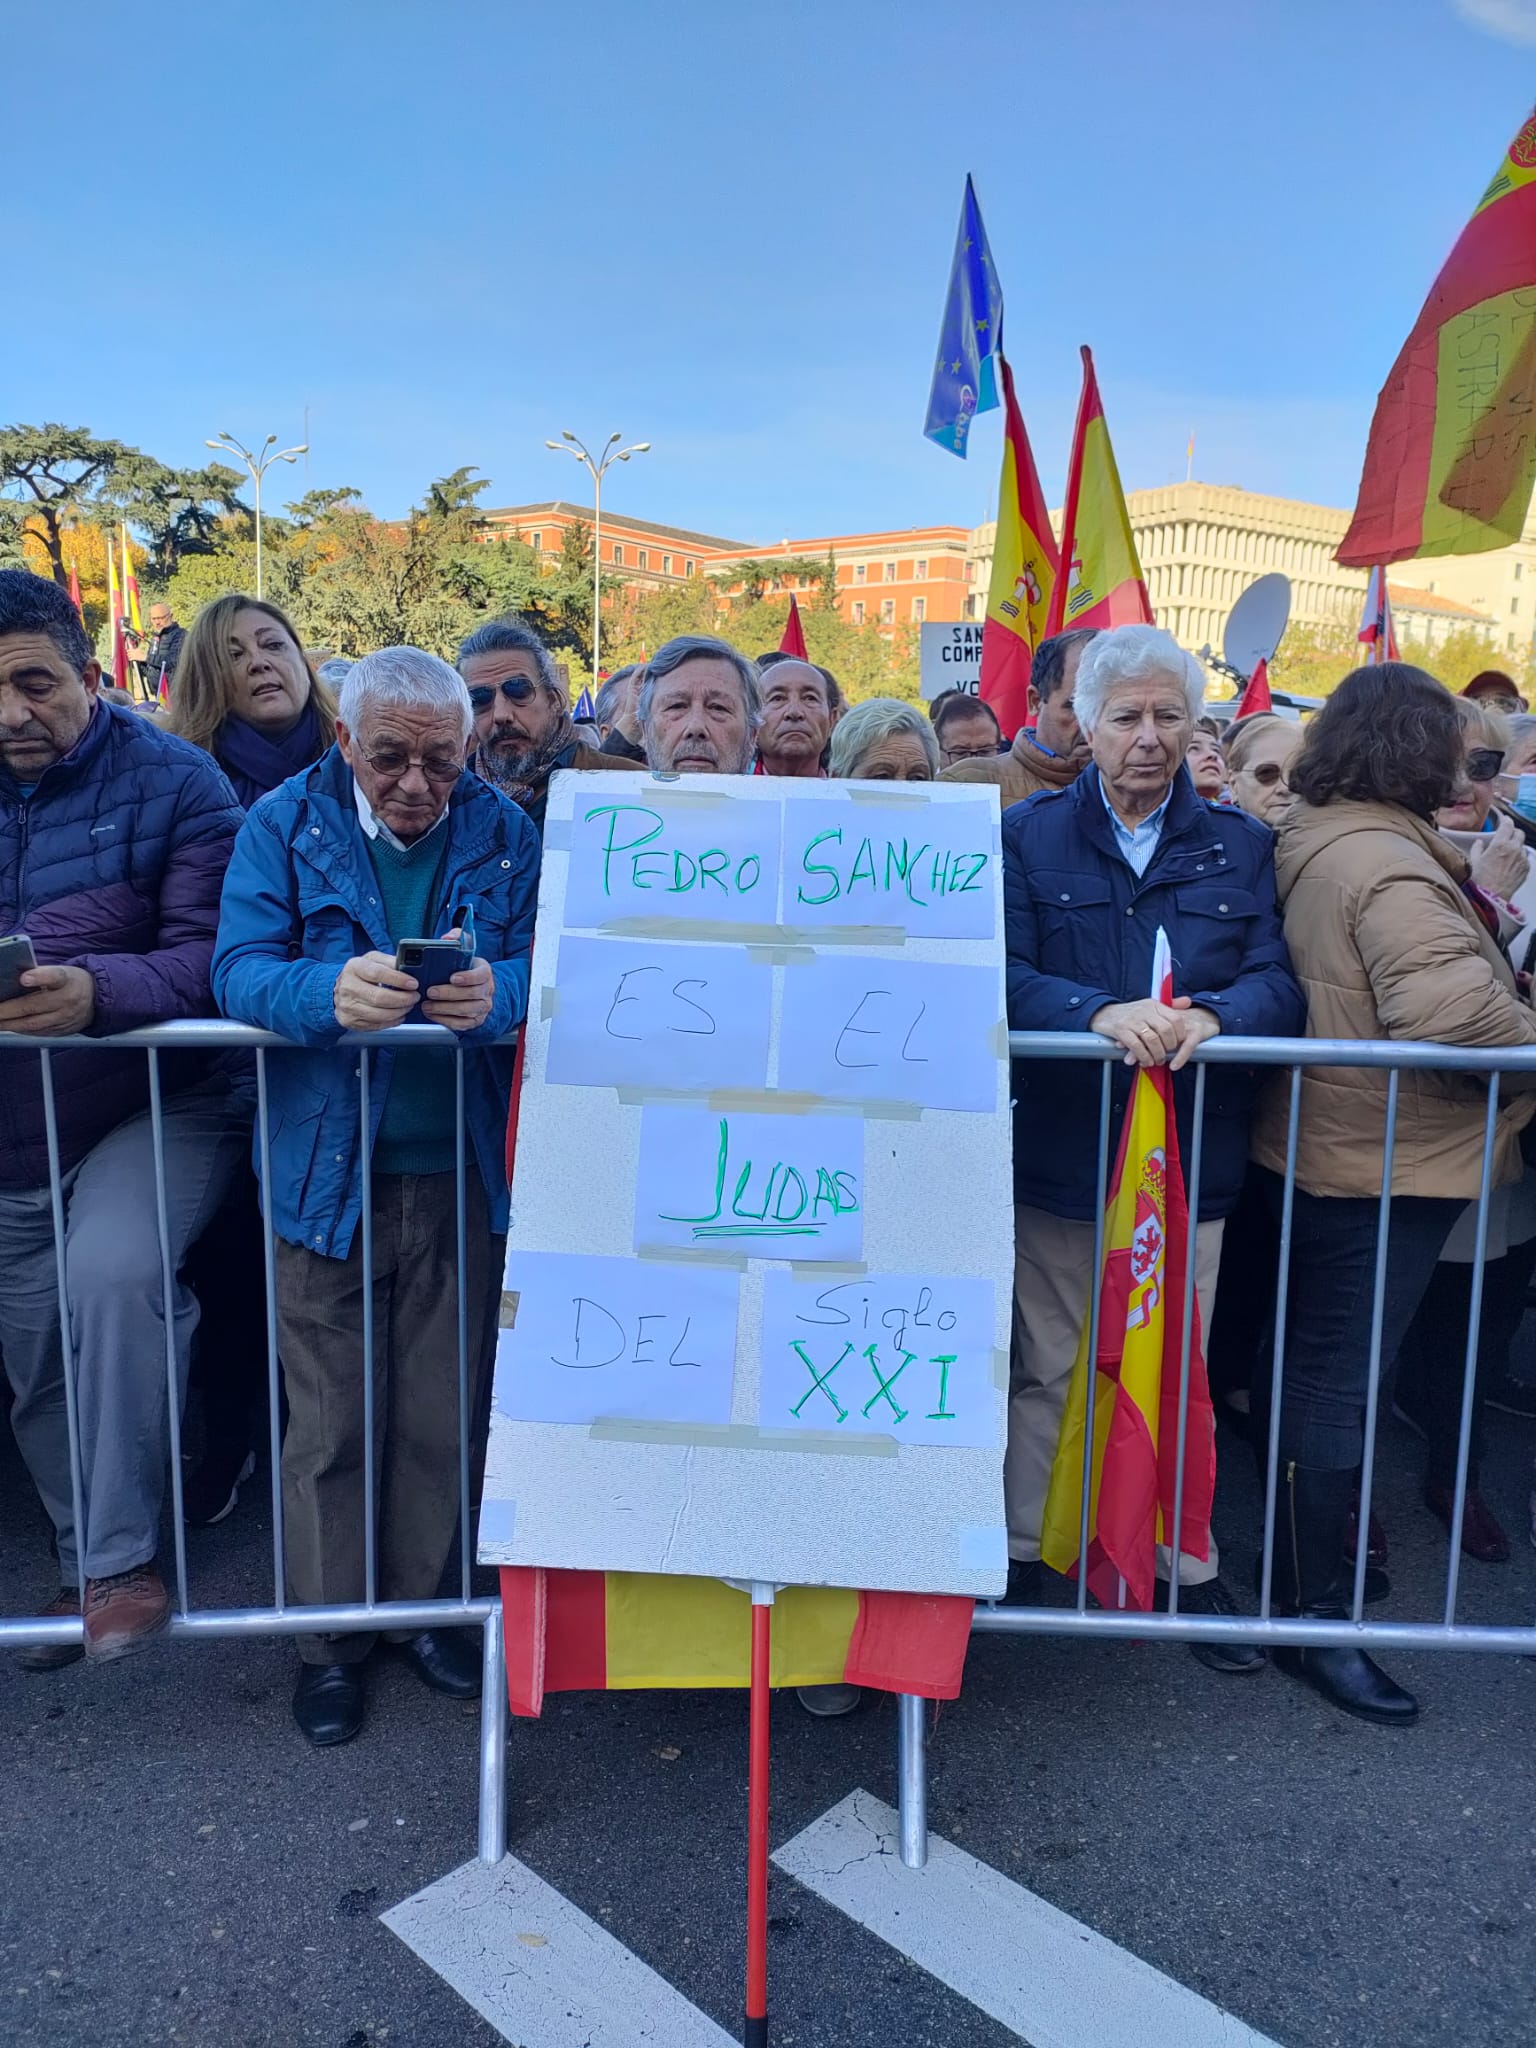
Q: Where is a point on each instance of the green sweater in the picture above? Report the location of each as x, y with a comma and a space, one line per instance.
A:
416, 1129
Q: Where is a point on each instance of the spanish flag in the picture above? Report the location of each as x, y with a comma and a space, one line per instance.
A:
631, 1631
115, 621
1136, 1399
1103, 583
1024, 570
131, 591
1452, 455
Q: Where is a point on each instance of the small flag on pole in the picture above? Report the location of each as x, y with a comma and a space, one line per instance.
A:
1133, 1471
1255, 697
1377, 632
585, 712
964, 377
792, 640
1101, 582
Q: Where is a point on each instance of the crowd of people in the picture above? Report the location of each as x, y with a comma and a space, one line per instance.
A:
261, 847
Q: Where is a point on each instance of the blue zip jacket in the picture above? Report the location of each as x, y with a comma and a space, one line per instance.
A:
300, 901
1081, 929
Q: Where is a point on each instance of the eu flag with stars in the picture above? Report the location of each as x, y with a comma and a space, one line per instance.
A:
964, 379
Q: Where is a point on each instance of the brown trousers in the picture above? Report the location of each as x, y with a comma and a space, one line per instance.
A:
1053, 1258
416, 1396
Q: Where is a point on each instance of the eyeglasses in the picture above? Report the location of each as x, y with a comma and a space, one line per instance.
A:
952, 754
517, 688
1267, 774
1484, 763
392, 762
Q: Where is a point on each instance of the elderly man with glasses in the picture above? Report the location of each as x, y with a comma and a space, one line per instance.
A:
522, 711
387, 838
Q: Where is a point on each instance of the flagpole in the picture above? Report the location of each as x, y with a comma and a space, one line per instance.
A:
755, 2030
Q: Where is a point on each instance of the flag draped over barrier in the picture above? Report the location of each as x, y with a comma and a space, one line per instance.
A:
1377, 633
964, 377
792, 640
1025, 565
1100, 582
1133, 1470
1451, 456
572, 1631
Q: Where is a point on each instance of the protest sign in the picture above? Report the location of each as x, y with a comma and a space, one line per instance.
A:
763, 1195
949, 658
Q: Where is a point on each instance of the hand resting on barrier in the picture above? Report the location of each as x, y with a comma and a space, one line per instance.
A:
1155, 1033
372, 994
58, 1002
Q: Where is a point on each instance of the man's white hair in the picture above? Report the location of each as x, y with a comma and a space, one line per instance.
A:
403, 677
1132, 654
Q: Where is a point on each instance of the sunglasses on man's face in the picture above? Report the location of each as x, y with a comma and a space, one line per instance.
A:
517, 688
1484, 763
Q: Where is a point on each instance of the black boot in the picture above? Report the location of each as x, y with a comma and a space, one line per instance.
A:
1309, 1581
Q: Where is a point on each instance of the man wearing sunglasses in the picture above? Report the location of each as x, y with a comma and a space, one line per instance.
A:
522, 712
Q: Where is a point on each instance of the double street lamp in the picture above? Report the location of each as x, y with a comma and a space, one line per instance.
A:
258, 464
597, 468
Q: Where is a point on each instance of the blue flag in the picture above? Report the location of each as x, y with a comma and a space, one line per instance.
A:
586, 711
964, 377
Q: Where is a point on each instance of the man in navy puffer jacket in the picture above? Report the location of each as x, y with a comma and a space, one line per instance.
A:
114, 838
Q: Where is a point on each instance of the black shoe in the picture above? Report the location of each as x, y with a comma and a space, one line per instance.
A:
211, 1491
447, 1659
1513, 1397
1310, 1581
1026, 1583
1212, 1597
328, 1703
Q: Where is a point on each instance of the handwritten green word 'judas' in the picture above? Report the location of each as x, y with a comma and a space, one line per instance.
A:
882, 867
630, 857
781, 1202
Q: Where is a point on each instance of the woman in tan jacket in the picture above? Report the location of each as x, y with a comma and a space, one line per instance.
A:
1388, 941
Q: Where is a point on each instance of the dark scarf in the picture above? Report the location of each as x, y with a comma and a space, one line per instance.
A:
530, 788
255, 764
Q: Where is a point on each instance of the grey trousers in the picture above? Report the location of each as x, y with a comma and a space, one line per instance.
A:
416, 1396
117, 1320
1053, 1257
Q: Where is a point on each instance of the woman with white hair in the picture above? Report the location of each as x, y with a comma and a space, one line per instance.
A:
1090, 875
884, 740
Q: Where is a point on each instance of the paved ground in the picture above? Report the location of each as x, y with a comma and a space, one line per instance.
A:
178, 1867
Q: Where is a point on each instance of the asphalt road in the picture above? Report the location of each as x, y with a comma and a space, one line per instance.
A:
179, 1867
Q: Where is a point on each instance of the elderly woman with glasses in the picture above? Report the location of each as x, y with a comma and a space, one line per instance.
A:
523, 729
1259, 753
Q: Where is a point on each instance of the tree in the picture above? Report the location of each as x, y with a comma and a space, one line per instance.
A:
749, 582
180, 512
59, 475
316, 506
454, 496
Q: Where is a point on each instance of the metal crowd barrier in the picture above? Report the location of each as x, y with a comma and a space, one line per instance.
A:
1263, 1628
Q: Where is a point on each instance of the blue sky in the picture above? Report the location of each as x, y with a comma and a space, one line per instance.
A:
454, 229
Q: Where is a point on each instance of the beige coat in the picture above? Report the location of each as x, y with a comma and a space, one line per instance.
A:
1386, 946
1023, 771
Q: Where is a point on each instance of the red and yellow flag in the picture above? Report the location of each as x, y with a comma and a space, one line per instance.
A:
1133, 1471
1101, 584
115, 606
1452, 453
569, 1631
1024, 571
131, 590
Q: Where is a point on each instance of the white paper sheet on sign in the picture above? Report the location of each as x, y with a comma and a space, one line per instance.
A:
744, 1116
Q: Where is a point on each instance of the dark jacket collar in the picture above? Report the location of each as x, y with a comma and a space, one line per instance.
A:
1187, 822
82, 758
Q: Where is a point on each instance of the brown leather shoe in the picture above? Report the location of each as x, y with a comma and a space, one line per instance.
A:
65, 1605
124, 1613
1482, 1536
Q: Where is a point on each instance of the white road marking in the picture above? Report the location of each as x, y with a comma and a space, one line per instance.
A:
1055, 1982
539, 1970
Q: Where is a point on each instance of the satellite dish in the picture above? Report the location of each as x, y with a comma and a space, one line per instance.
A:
1256, 623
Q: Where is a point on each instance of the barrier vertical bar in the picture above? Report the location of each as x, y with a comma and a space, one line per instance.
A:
1378, 1310
168, 1322
1469, 1374
66, 1327
274, 1396
493, 1741
1192, 1235
912, 1778
1095, 1283
1277, 1381
461, 1253
370, 1510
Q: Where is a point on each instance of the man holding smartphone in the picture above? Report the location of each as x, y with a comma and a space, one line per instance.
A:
114, 837
340, 878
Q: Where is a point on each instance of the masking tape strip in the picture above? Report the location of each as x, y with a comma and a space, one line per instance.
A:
557, 835
739, 1436
982, 1546
888, 797
674, 794
1000, 1038
717, 931
781, 956
549, 1003
1002, 1367
809, 1270
506, 1314
770, 1102
695, 1255
498, 1523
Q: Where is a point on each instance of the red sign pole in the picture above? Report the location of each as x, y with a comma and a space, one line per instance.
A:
755, 2032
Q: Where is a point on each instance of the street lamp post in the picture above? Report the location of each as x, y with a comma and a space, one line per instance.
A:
258, 464
597, 468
